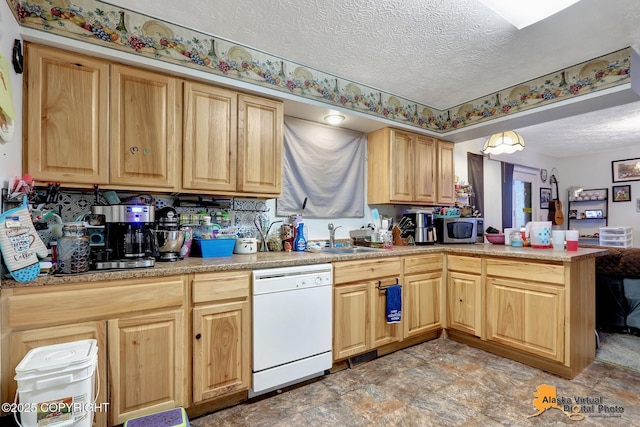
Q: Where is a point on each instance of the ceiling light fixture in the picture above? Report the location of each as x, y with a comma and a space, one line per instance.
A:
333, 119
524, 13
503, 143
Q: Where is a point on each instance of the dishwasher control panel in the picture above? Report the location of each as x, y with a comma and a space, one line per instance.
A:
291, 278
321, 279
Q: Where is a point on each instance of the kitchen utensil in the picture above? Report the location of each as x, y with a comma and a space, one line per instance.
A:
262, 223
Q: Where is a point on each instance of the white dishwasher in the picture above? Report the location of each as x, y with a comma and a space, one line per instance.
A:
292, 325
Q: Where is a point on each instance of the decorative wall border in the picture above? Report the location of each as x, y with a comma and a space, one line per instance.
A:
100, 23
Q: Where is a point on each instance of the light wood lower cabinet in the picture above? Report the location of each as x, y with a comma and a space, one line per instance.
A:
527, 316
351, 311
146, 364
422, 289
464, 294
22, 341
360, 307
221, 334
140, 328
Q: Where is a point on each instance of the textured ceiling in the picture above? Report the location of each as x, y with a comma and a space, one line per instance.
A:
444, 53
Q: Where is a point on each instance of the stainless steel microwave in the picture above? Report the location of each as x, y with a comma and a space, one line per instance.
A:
459, 230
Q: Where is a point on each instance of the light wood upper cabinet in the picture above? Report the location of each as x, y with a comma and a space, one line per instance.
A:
67, 120
403, 168
210, 138
446, 174
260, 143
145, 128
424, 165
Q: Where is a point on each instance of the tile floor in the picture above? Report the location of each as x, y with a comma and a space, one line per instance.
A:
438, 383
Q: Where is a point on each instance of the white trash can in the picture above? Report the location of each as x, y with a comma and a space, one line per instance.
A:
56, 385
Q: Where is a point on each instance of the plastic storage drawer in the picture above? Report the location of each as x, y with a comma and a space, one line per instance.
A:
619, 237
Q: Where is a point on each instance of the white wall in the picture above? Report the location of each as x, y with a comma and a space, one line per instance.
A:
11, 152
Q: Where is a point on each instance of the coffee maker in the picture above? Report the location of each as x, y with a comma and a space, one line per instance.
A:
129, 240
424, 232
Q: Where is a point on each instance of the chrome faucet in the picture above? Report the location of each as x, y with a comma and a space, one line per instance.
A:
332, 235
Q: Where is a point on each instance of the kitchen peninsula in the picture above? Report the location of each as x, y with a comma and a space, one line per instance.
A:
191, 318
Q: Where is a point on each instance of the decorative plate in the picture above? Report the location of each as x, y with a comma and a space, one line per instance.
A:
592, 68
157, 29
517, 92
302, 74
238, 54
352, 89
543, 175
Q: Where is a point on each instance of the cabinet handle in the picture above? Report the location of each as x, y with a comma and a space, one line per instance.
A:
198, 336
460, 299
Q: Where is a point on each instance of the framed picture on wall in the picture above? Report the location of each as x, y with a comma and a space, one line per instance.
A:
621, 193
625, 170
545, 197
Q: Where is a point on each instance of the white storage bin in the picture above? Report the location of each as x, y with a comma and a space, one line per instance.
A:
619, 237
56, 384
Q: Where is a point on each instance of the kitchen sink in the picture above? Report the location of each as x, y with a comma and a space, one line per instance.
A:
351, 250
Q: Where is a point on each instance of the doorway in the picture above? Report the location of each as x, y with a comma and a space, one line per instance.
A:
524, 191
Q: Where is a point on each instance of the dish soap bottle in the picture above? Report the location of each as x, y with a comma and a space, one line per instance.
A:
300, 243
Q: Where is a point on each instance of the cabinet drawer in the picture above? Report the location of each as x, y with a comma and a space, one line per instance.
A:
221, 286
465, 264
357, 271
32, 307
422, 263
548, 273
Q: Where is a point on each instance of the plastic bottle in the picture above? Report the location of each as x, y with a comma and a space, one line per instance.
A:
300, 243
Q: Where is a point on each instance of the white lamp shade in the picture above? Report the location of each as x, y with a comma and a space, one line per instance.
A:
503, 143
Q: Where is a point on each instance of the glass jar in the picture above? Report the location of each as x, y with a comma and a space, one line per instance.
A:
73, 248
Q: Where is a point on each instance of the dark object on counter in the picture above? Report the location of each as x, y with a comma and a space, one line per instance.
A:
491, 230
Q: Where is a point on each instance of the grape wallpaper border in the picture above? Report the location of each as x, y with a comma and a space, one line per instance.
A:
100, 23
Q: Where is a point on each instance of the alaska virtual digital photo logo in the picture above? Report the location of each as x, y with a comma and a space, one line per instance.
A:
576, 407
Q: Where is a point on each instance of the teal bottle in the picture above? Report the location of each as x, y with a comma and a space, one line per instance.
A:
300, 243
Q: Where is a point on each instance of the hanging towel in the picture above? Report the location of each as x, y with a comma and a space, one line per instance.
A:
394, 303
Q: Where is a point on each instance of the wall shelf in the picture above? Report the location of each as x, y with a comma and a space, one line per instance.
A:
587, 212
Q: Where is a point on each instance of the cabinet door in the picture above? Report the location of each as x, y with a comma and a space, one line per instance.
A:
147, 364
526, 316
21, 342
351, 307
67, 116
260, 143
464, 296
446, 173
401, 166
382, 333
421, 304
424, 181
210, 138
221, 349
144, 128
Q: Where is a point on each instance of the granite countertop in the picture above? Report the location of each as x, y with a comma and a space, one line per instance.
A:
282, 259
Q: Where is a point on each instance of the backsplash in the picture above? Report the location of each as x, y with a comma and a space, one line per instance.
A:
72, 206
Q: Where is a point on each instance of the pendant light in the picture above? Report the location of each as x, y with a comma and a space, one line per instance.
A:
503, 143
